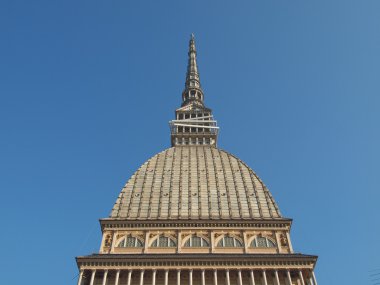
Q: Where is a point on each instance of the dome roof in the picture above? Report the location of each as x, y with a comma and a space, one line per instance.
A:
194, 182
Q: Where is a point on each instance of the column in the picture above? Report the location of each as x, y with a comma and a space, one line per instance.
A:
166, 276
228, 277
246, 245
289, 242
276, 276
142, 277
129, 277
252, 277
92, 277
301, 277
154, 277
179, 241
113, 243
146, 242
313, 277
117, 277
80, 277
240, 280
289, 277
105, 277
190, 277
265, 278
203, 277
212, 240
178, 276
215, 277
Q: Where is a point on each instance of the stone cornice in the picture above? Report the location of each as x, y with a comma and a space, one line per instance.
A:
196, 261
109, 223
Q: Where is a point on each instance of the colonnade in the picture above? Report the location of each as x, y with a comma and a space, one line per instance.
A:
254, 276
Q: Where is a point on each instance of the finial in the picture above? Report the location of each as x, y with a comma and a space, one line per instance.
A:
193, 91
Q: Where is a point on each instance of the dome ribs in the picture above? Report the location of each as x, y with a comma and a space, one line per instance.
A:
273, 204
268, 204
240, 191
170, 190
194, 189
149, 185
199, 190
133, 190
221, 185
214, 202
151, 198
175, 184
207, 184
204, 186
142, 193
255, 192
185, 184
249, 202
162, 200
231, 198
139, 190
127, 195
194, 182
258, 195
180, 186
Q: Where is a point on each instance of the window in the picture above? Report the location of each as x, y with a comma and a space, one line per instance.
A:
228, 241
260, 241
164, 241
130, 241
196, 241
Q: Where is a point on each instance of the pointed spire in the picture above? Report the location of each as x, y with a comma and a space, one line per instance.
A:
193, 91
194, 123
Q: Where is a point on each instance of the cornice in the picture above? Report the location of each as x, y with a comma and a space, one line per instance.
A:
109, 223
200, 261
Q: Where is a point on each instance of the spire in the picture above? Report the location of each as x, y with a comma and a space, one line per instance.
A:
193, 91
194, 123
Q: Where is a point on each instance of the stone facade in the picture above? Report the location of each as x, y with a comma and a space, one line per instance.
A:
195, 214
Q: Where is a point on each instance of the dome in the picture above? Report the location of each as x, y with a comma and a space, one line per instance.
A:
194, 182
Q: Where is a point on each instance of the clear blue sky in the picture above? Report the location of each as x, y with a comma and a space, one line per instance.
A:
87, 89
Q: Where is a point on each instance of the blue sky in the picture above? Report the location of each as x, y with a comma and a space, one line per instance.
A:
87, 89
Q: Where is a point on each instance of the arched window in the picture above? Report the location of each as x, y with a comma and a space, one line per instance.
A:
164, 241
228, 241
196, 241
260, 241
130, 241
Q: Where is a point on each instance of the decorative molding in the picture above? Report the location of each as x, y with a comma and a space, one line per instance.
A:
110, 224
92, 262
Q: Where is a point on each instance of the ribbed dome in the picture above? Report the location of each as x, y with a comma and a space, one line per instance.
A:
194, 182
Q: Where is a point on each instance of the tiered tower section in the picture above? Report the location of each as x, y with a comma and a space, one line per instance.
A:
194, 123
194, 214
